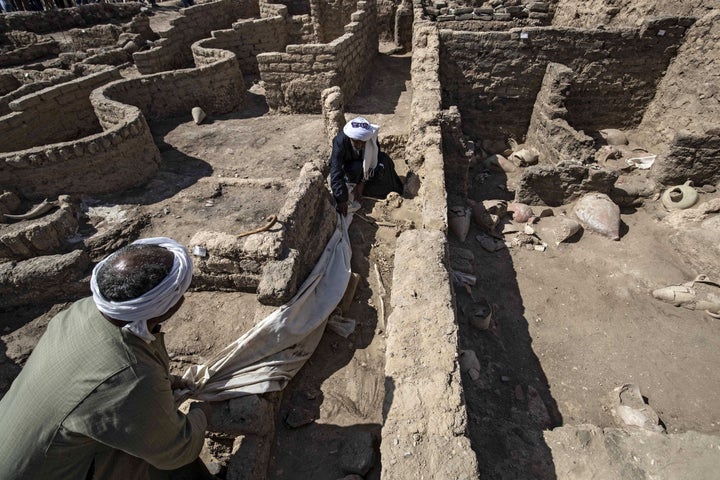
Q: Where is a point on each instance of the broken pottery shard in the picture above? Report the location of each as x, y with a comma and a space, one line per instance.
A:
499, 163
598, 213
520, 212
555, 230
630, 409
198, 115
613, 136
459, 222
524, 157
491, 244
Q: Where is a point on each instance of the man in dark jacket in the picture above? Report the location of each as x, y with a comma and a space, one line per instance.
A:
357, 166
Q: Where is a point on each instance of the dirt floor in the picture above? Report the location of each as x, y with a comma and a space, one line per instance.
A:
572, 322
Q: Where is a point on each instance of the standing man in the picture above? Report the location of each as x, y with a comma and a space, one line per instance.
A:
357, 165
94, 399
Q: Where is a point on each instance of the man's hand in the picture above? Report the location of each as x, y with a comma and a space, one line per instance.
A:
177, 382
206, 409
342, 208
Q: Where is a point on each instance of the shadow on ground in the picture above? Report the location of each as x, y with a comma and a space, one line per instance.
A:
509, 403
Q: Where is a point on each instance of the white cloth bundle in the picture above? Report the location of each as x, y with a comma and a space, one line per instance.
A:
157, 301
265, 358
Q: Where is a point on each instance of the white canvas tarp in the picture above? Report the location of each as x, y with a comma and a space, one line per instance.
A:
265, 358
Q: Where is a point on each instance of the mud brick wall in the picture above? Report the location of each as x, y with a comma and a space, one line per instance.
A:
29, 53
93, 37
122, 156
294, 7
248, 38
309, 221
41, 80
216, 86
494, 77
55, 114
329, 18
691, 156
294, 79
173, 50
549, 133
67, 18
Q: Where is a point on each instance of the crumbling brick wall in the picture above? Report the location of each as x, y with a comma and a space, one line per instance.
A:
57, 114
294, 79
549, 132
330, 18
216, 85
66, 18
494, 76
28, 53
173, 50
247, 38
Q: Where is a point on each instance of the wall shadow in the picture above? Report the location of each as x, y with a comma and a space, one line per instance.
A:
509, 402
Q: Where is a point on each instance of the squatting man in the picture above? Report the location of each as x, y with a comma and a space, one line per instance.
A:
95, 399
358, 167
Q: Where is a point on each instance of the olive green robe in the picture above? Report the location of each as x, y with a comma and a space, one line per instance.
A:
89, 392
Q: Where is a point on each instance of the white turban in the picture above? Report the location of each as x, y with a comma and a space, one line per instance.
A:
360, 129
157, 301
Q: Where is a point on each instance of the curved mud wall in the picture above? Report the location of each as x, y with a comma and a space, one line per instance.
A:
124, 154
196, 23
216, 85
57, 114
494, 77
295, 79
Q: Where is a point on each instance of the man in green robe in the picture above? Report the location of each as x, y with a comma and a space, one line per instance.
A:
94, 399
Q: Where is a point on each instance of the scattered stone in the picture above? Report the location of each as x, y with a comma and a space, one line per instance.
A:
525, 157
499, 163
555, 230
491, 244
598, 213
468, 360
708, 188
462, 260
298, 416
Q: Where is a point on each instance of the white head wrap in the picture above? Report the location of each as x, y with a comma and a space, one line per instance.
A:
360, 129
157, 301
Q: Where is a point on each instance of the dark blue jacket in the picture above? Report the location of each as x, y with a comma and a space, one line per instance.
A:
344, 167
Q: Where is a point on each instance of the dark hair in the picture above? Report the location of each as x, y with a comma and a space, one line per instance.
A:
132, 271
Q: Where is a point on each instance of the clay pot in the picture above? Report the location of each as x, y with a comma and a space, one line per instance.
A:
598, 213
459, 222
520, 212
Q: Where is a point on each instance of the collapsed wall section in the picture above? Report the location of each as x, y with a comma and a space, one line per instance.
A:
549, 133
685, 114
295, 79
494, 77
173, 50
36, 118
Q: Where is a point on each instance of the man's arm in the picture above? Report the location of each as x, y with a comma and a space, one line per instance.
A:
134, 411
337, 172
